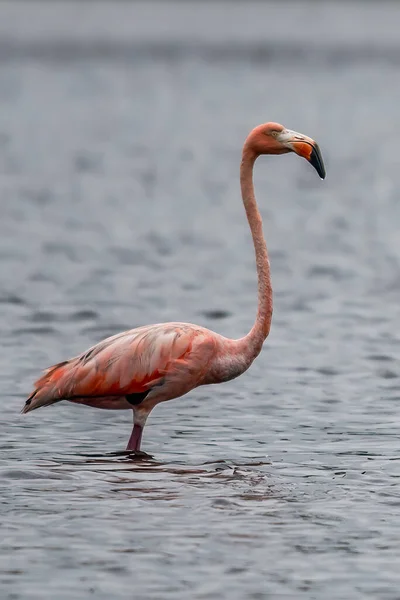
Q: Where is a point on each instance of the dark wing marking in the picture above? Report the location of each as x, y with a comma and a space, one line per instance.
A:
136, 399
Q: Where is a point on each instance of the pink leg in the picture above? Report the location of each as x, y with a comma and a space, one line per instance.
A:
136, 438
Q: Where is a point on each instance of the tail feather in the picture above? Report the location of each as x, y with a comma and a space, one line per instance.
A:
46, 391
35, 402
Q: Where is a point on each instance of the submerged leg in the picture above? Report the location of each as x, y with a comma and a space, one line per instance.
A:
139, 421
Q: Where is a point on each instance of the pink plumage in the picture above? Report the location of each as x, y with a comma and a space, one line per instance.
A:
140, 368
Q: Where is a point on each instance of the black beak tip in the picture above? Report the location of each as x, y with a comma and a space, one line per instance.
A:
317, 162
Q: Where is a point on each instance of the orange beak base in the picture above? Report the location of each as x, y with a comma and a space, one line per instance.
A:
311, 152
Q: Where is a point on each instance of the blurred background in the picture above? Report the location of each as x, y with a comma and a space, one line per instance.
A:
121, 126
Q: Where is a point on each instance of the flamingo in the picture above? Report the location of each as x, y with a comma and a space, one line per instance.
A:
140, 368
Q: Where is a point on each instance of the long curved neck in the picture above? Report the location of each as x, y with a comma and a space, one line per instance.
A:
253, 341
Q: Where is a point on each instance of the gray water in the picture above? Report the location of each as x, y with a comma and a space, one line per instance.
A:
120, 206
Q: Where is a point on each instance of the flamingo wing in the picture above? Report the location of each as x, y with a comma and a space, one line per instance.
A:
132, 362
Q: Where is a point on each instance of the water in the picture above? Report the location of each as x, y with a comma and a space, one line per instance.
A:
120, 206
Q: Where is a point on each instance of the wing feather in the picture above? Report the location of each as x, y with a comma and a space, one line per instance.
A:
128, 363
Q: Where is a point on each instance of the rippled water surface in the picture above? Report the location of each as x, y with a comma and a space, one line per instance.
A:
120, 206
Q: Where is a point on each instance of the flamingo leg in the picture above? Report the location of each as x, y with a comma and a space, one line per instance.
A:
139, 421
136, 438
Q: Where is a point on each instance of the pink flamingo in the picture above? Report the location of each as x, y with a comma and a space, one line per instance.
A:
140, 368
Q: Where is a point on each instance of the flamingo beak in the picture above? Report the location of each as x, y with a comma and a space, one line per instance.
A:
304, 146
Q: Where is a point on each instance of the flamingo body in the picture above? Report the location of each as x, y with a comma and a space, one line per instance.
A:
140, 368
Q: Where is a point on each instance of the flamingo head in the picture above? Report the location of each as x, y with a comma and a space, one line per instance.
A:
273, 138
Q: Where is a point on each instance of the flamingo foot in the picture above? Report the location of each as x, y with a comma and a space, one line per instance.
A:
135, 439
